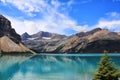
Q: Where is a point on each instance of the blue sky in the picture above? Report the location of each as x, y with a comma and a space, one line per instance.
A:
61, 16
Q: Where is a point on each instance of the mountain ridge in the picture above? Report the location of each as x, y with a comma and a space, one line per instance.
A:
41, 35
94, 41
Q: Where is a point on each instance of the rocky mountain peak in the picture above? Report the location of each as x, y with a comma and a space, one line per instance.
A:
83, 34
94, 30
25, 36
10, 41
41, 34
44, 34
4, 25
7, 30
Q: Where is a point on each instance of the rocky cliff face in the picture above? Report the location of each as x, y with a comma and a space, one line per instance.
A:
94, 41
10, 41
6, 29
25, 36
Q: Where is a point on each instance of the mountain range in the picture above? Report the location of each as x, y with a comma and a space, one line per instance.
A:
10, 41
94, 41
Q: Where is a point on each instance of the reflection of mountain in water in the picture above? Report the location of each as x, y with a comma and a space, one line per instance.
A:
49, 67
10, 64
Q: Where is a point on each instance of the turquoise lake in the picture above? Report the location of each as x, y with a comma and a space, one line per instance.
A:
51, 66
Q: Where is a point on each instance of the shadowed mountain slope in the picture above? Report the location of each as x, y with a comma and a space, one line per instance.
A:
10, 41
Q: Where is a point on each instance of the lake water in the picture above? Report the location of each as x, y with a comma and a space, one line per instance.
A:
51, 66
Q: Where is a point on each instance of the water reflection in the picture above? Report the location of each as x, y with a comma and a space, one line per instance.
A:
49, 67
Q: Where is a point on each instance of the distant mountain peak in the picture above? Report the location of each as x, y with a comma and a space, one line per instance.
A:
25, 33
83, 34
25, 36
44, 34
95, 30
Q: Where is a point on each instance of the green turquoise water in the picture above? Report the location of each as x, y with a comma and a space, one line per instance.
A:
51, 66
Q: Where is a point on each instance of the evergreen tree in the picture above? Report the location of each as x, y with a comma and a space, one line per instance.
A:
106, 69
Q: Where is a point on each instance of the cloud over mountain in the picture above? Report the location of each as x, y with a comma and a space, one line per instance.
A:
59, 16
54, 16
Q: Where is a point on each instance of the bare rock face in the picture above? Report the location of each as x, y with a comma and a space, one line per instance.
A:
25, 36
6, 29
83, 34
10, 41
94, 41
118, 33
7, 45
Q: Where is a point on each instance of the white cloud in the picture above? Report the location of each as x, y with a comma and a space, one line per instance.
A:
22, 26
34, 26
111, 25
112, 22
70, 3
113, 15
27, 6
52, 19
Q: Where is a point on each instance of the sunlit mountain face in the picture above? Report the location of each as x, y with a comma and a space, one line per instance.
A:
94, 41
